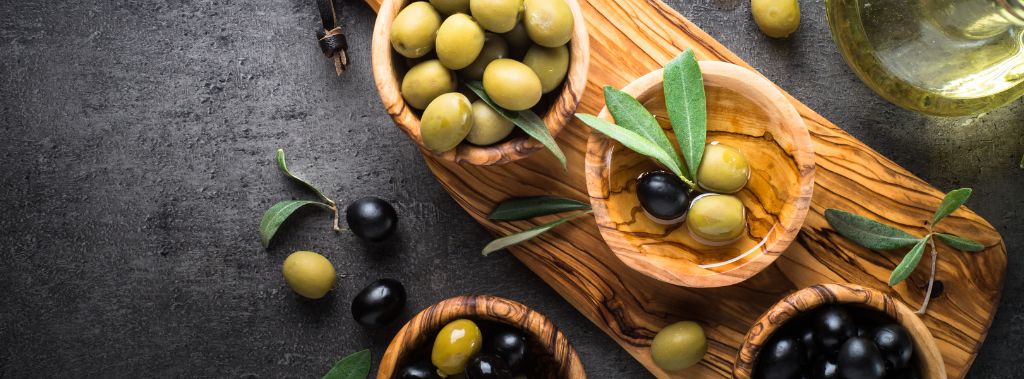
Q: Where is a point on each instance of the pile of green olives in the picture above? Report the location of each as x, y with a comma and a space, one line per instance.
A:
463, 347
838, 341
714, 217
518, 49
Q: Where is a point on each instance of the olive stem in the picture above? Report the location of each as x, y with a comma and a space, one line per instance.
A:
931, 279
689, 183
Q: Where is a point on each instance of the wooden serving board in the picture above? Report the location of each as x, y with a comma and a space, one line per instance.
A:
631, 307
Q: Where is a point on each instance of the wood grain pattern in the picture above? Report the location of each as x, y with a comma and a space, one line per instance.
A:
387, 73
629, 38
551, 353
745, 111
927, 354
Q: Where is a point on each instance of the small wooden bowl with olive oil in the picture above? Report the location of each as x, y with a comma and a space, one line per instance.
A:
745, 111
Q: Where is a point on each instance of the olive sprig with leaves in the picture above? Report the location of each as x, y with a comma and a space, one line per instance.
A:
278, 213
353, 366
878, 236
529, 207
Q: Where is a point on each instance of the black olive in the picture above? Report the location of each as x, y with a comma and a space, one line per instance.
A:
371, 218
419, 370
507, 343
806, 337
824, 368
663, 196
859, 358
832, 327
895, 344
379, 303
781, 359
487, 367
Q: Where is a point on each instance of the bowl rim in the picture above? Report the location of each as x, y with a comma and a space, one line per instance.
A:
490, 308
556, 118
783, 234
817, 295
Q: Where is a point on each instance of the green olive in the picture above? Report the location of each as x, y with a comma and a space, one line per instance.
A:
550, 64
498, 16
425, 82
518, 41
414, 29
489, 127
716, 219
308, 274
776, 18
455, 344
446, 122
450, 7
679, 346
459, 41
512, 85
548, 22
494, 48
723, 169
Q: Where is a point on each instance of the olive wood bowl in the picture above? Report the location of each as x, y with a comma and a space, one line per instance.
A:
926, 353
744, 110
550, 348
388, 78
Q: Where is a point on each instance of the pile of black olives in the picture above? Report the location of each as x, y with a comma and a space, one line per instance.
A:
713, 218
843, 342
483, 350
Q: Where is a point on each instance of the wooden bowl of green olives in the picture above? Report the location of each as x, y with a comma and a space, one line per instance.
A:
480, 337
839, 330
525, 55
755, 183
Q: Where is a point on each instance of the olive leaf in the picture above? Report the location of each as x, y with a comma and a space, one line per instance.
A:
354, 366
867, 232
634, 142
687, 107
526, 120
960, 243
953, 200
528, 234
630, 114
277, 214
909, 263
281, 164
529, 207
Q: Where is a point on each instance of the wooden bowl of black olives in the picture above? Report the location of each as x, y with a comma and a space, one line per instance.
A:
527, 56
839, 331
480, 337
751, 193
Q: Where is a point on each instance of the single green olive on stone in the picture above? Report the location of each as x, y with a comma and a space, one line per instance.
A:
414, 29
723, 169
489, 127
446, 122
512, 85
679, 346
550, 64
715, 219
450, 7
459, 41
495, 47
548, 22
776, 18
309, 274
498, 16
426, 81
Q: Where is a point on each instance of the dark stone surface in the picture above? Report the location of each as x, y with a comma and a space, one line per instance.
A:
137, 142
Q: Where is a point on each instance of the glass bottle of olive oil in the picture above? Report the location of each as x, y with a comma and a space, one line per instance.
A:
942, 57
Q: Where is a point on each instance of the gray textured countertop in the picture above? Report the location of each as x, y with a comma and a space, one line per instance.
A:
137, 144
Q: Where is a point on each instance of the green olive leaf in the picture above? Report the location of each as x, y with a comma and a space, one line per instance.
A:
526, 235
909, 263
687, 107
281, 164
354, 366
277, 214
630, 114
634, 142
526, 120
953, 200
529, 207
960, 243
867, 232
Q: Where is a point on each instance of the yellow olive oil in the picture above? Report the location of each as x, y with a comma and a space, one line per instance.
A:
941, 57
